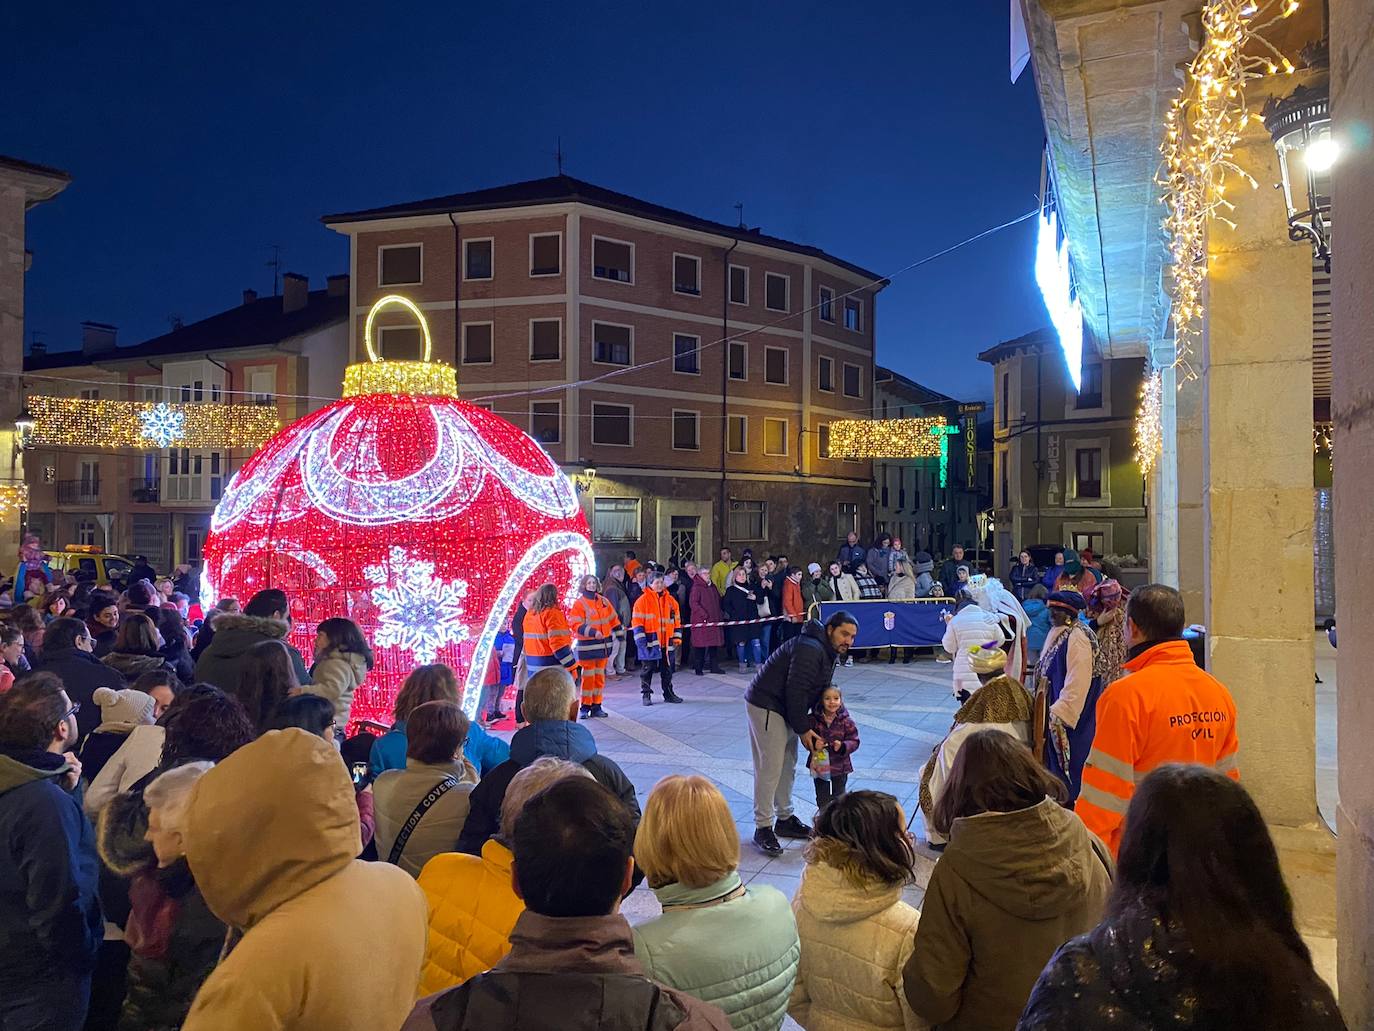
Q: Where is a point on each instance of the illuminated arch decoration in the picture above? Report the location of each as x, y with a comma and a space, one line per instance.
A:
147, 425
419, 516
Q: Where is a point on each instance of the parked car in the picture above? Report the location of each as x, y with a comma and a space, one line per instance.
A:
87, 562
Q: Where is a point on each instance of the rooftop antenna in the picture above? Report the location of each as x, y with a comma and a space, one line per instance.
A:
275, 266
558, 155
739, 209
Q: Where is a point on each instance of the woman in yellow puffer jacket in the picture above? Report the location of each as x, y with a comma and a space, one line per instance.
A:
472, 906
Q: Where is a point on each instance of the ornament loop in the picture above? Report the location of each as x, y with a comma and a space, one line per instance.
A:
389, 301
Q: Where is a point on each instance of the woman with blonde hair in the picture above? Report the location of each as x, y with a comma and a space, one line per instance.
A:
433, 683
731, 946
472, 904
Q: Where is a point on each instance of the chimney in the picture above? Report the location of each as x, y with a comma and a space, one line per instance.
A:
97, 336
295, 291
338, 285
249, 296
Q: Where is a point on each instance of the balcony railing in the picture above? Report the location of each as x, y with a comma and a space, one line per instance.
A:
145, 491
78, 492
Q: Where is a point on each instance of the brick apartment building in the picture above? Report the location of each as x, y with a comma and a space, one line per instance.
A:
158, 502
558, 282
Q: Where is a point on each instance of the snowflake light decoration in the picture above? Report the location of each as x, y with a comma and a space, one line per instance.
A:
417, 611
162, 424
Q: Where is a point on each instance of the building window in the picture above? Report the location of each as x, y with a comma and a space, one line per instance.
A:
686, 275
739, 360
1089, 540
686, 354
1005, 484
748, 520
827, 305
853, 314
739, 284
546, 254
775, 365
262, 386
825, 374
546, 421
615, 519
1090, 393
611, 344
1006, 399
89, 395
775, 436
737, 434
613, 260
546, 340
823, 440
477, 259
846, 519
1087, 464
853, 381
399, 265
401, 343
477, 343
611, 425
686, 430
775, 290
85, 532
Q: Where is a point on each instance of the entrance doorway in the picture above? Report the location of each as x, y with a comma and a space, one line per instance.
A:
683, 539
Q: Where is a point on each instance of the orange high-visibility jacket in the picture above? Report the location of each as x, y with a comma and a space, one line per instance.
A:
631, 567
594, 623
548, 641
793, 607
657, 618
1166, 711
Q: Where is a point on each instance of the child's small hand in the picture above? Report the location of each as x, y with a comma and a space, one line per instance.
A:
837, 745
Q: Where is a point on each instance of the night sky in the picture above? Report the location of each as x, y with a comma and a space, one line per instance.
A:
199, 139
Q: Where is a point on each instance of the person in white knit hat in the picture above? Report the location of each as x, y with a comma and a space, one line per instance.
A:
120, 713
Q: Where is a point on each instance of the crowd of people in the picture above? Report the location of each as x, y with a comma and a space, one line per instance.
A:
193, 840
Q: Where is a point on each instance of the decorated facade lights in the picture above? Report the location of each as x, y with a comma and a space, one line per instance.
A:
1149, 433
14, 496
887, 438
1323, 438
1202, 128
83, 422
421, 517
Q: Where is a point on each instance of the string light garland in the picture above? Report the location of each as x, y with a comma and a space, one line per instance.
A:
100, 423
1323, 438
1202, 128
1149, 433
888, 438
14, 496
418, 515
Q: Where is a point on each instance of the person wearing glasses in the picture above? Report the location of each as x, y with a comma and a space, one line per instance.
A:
69, 652
49, 908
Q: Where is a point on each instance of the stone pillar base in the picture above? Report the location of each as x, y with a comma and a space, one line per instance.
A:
1307, 856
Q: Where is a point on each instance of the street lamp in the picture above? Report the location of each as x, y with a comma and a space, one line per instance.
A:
1300, 125
24, 425
582, 484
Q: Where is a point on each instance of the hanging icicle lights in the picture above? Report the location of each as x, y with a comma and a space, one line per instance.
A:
1149, 435
1201, 129
887, 438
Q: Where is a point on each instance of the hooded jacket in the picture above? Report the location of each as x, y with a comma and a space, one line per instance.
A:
81, 673
740, 954
563, 740
854, 943
173, 937
49, 914
794, 677
336, 675
1038, 613
472, 909
132, 665
222, 662
1137, 970
327, 941
971, 625
1009, 889
570, 973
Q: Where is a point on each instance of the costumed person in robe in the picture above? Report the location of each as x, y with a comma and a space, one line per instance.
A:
1000, 704
1066, 693
1011, 617
1107, 619
1075, 576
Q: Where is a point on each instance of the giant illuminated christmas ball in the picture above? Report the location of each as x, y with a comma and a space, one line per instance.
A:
423, 518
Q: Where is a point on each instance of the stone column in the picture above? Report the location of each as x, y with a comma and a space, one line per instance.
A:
1188, 458
1256, 398
1352, 403
13, 199
1164, 481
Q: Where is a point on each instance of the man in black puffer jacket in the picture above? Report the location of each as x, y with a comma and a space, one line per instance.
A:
779, 702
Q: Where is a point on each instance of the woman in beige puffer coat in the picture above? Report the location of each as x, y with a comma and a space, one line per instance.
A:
856, 931
342, 662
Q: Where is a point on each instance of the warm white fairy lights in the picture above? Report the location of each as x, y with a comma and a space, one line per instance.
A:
1149, 436
1201, 130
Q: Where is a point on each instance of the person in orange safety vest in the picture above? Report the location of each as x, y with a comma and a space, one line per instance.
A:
657, 628
1166, 710
548, 639
594, 624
